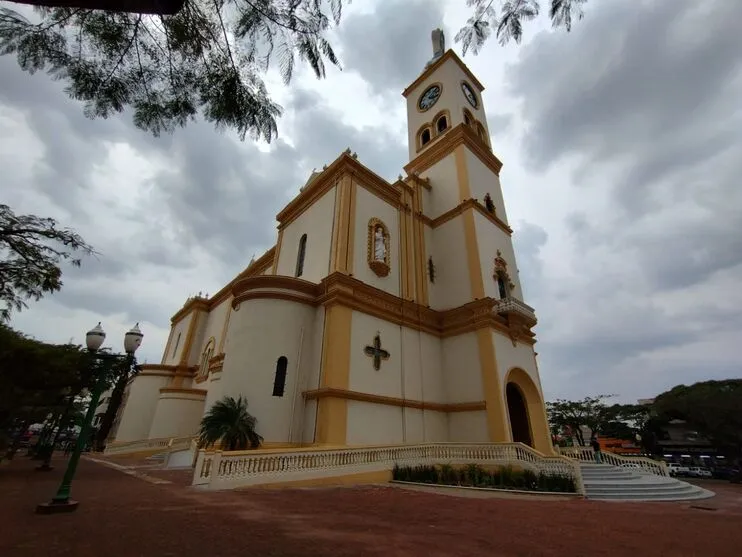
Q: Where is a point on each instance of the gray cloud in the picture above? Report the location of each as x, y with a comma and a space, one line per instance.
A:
648, 114
387, 47
212, 203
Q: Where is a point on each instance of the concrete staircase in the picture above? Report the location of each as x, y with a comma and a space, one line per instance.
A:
611, 483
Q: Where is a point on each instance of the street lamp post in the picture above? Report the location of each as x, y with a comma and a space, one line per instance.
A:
61, 502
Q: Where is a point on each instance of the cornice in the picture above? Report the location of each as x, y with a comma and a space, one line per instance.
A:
466, 205
448, 55
344, 164
460, 134
254, 269
341, 289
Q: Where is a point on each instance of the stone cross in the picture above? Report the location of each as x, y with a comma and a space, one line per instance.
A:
376, 352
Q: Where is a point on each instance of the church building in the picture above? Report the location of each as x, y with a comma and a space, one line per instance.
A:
385, 313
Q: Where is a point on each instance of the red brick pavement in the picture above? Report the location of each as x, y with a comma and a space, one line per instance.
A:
125, 516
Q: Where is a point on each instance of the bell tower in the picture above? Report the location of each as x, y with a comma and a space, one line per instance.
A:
444, 95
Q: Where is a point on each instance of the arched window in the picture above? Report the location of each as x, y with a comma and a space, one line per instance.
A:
441, 124
482, 133
206, 355
425, 137
468, 118
300, 256
279, 383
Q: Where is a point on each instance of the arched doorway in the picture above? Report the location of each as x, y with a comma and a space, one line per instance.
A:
520, 426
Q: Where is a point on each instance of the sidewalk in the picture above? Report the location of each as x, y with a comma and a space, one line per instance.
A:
123, 515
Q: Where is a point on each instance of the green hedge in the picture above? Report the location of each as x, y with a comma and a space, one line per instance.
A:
473, 475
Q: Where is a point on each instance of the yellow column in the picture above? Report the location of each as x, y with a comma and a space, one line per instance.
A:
332, 413
497, 420
470, 233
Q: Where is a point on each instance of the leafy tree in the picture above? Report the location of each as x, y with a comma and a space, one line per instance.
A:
126, 368
590, 412
37, 378
31, 251
209, 57
507, 25
229, 423
711, 407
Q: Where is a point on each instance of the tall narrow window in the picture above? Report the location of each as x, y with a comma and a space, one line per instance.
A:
300, 255
279, 383
175, 350
431, 269
442, 124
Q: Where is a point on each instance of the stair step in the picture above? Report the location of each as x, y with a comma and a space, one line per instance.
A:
606, 482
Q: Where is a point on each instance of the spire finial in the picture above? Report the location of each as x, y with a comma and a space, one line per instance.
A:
439, 43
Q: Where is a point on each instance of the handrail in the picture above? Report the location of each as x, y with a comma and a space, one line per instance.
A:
586, 454
225, 470
144, 444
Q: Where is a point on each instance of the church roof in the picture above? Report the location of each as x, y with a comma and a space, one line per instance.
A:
449, 55
309, 181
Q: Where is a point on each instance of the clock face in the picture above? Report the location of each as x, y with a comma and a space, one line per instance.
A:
429, 97
469, 94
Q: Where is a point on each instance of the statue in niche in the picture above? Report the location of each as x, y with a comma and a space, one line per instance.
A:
379, 244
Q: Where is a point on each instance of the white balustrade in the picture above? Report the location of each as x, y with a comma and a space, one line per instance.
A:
228, 470
165, 443
586, 454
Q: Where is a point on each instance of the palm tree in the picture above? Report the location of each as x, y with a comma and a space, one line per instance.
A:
229, 422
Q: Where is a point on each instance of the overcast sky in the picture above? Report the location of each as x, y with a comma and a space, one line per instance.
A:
621, 144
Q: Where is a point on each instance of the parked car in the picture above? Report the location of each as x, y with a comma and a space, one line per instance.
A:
675, 469
698, 472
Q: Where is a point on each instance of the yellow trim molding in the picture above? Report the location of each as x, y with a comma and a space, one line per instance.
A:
460, 134
327, 392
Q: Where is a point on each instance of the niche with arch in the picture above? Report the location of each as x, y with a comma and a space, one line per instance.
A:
378, 247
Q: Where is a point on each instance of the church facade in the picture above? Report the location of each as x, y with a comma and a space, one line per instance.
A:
386, 313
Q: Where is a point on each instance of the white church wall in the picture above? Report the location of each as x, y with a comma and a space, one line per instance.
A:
490, 239
260, 332
310, 379
461, 369
373, 424
136, 419
369, 206
316, 222
180, 332
387, 381
213, 390
444, 182
413, 430
422, 366
213, 327
178, 414
468, 427
453, 287
482, 181
310, 414
509, 356
436, 426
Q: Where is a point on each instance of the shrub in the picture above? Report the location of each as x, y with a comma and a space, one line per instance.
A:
473, 475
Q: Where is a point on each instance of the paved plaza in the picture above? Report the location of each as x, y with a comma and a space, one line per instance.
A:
144, 512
